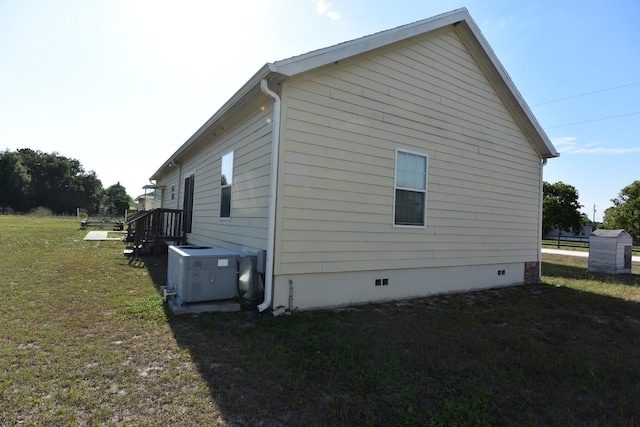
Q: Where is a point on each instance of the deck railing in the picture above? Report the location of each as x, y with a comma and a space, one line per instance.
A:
153, 229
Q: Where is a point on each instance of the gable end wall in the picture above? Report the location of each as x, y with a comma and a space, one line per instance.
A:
341, 128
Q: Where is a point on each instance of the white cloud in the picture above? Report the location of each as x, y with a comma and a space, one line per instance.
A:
334, 16
564, 141
324, 9
570, 145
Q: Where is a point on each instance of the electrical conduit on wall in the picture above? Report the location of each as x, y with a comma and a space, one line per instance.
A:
271, 224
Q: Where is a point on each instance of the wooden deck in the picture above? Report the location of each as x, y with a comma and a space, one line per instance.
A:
151, 231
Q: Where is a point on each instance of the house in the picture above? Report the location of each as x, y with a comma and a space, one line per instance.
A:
581, 235
397, 165
145, 202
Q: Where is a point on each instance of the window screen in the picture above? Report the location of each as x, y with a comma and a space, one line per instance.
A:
410, 188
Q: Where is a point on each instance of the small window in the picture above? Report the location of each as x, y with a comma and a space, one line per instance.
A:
226, 180
410, 189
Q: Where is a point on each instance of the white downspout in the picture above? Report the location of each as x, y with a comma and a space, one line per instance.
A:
542, 165
271, 224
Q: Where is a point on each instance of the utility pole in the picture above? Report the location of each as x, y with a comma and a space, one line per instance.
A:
594, 213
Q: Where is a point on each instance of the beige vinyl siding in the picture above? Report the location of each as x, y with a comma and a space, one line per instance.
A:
337, 165
250, 140
168, 181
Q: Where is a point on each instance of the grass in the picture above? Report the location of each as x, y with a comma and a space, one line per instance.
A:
86, 340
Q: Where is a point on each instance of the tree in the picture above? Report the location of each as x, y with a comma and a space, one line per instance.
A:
625, 212
560, 207
57, 182
29, 179
14, 181
116, 199
92, 193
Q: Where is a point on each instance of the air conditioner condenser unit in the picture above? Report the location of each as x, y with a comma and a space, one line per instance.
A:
202, 273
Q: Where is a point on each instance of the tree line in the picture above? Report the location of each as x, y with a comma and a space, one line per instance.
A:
31, 179
561, 210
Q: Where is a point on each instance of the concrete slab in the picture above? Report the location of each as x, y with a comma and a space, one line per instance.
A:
100, 235
577, 253
565, 252
225, 306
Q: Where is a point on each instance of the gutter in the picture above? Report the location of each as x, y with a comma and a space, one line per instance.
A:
271, 224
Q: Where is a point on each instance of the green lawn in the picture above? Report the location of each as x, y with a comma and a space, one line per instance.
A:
85, 340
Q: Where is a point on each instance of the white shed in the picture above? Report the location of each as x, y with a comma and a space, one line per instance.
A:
610, 252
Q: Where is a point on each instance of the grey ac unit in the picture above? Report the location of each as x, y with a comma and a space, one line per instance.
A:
202, 273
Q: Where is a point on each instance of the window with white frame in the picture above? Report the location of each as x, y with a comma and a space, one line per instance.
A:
410, 198
226, 180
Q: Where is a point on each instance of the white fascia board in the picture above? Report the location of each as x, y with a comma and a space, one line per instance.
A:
312, 60
318, 58
476, 41
251, 85
547, 150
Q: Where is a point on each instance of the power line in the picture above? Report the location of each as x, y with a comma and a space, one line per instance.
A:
594, 120
586, 94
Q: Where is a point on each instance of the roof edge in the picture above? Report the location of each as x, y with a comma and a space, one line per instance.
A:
254, 82
317, 58
533, 129
518, 106
306, 62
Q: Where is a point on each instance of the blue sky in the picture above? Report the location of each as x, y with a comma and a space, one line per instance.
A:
121, 84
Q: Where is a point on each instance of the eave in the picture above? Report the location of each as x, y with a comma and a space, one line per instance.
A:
463, 25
